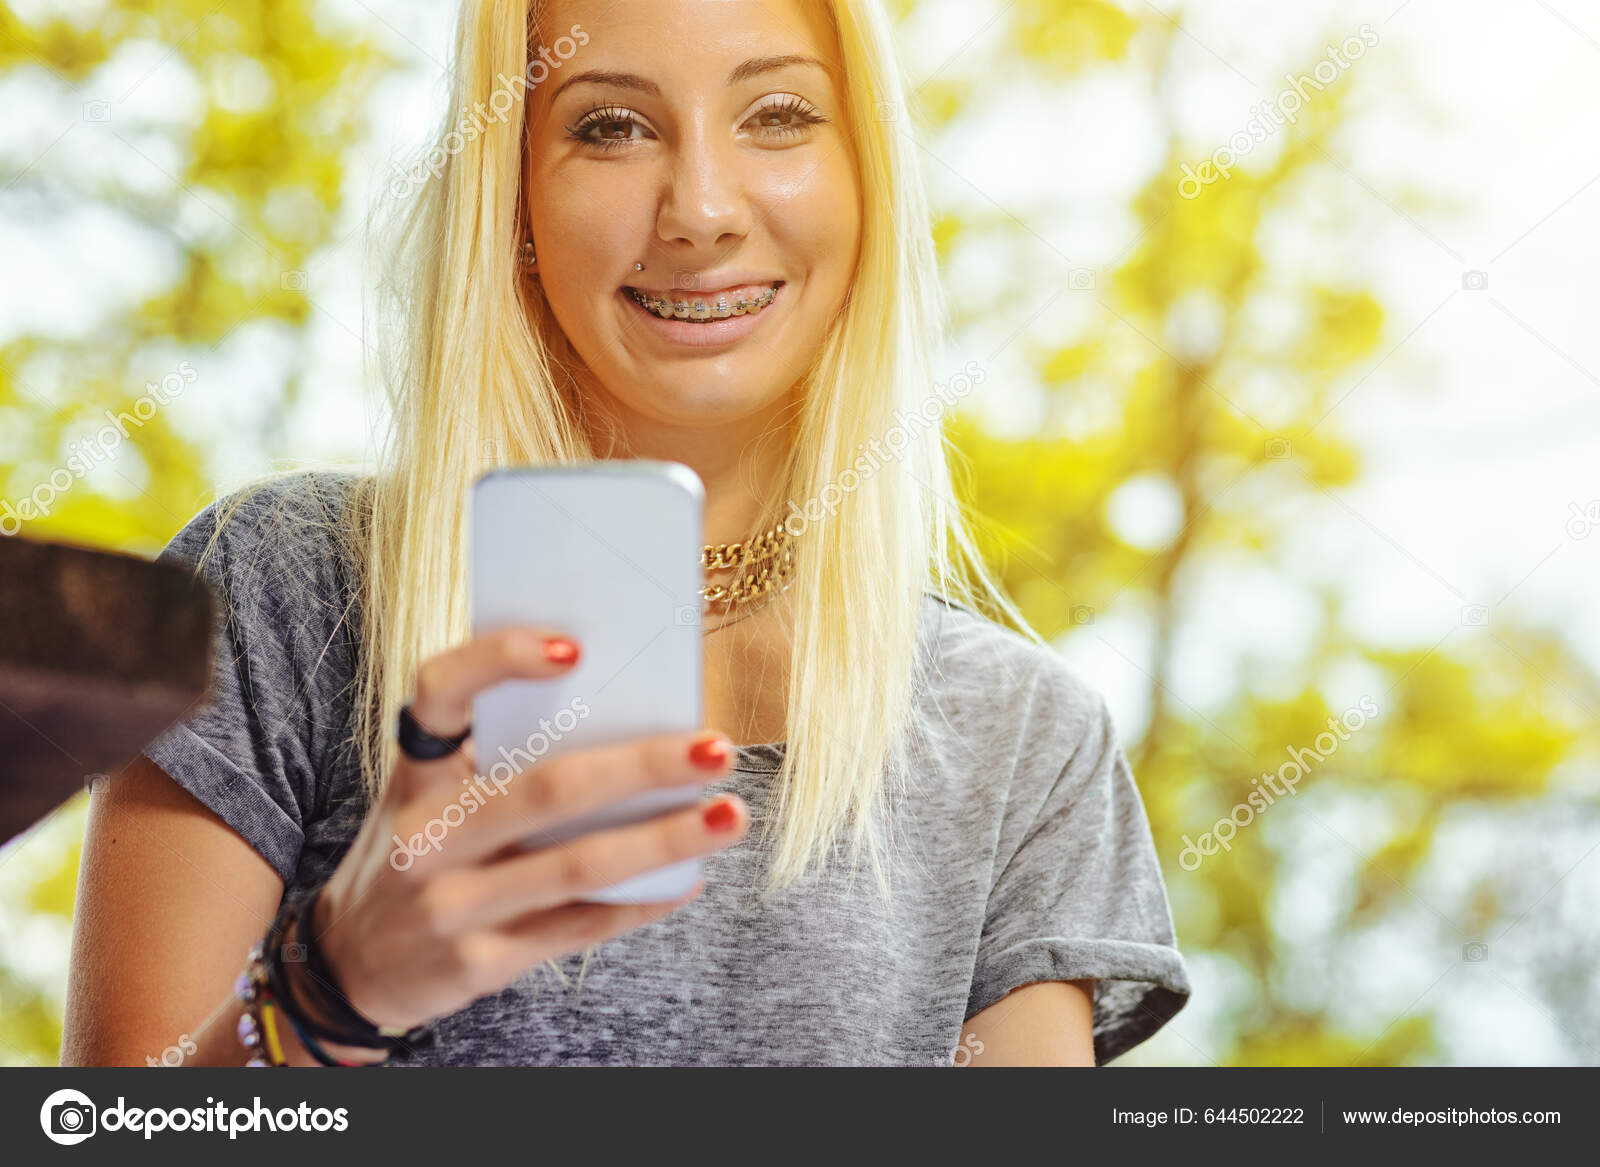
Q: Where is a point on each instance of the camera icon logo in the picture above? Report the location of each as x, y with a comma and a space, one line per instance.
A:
294, 281
1278, 449
97, 111
1475, 952
1081, 279
888, 111
294, 952
1082, 614
686, 615
685, 281
1583, 520
1475, 281
1474, 615
682, 948
67, 1117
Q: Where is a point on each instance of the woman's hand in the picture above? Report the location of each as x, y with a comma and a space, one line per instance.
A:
466, 918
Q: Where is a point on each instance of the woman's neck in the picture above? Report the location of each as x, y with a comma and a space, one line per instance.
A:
740, 462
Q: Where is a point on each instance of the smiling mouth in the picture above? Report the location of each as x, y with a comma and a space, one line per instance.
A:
703, 309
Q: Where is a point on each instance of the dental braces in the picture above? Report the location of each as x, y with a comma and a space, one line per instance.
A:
699, 309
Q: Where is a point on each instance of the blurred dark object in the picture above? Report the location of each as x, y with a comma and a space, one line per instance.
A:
99, 653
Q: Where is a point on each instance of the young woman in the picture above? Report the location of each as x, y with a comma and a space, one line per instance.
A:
697, 235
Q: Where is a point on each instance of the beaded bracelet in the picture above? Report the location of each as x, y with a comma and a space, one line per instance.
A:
266, 996
264, 988
258, 1030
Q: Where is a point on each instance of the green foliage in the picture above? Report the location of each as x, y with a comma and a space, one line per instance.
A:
244, 187
1070, 34
1480, 722
254, 194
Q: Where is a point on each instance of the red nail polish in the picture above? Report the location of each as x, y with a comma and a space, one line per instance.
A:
709, 754
721, 816
560, 651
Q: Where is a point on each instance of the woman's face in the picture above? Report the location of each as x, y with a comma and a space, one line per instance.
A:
706, 140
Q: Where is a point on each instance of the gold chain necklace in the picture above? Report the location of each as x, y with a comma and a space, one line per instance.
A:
766, 569
750, 611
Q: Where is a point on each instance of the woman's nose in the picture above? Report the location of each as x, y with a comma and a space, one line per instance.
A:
705, 203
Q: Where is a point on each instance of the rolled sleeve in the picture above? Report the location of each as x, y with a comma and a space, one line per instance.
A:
253, 750
1082, 898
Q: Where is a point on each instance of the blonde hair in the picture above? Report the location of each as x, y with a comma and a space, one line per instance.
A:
479, 369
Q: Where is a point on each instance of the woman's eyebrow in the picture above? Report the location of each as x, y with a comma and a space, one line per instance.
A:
754, 67
619, 80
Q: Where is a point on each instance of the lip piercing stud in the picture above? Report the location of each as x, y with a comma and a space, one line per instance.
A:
638, 267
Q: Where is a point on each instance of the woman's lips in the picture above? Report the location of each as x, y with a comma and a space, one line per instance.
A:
764, 299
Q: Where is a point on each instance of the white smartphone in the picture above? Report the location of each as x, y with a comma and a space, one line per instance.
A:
609, 553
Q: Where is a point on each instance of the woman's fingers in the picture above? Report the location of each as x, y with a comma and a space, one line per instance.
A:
447, 684
487, 816
502, 892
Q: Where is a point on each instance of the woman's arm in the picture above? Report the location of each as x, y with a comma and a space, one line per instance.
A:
1050, 1023
170, 900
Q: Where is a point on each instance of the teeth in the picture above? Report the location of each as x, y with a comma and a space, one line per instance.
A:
697, 309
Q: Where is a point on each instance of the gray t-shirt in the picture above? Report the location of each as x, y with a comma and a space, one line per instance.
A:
1023, 851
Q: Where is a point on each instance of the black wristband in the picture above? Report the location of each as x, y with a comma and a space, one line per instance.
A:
278, 983
311, 1045
350, 1025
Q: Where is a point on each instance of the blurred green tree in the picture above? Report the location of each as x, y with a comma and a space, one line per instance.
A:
1175, 352
239, 188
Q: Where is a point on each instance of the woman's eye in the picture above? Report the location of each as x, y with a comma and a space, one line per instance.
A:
607, 127
785, 117
612, 127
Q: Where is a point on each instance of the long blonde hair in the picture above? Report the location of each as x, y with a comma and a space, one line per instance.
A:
475, 370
